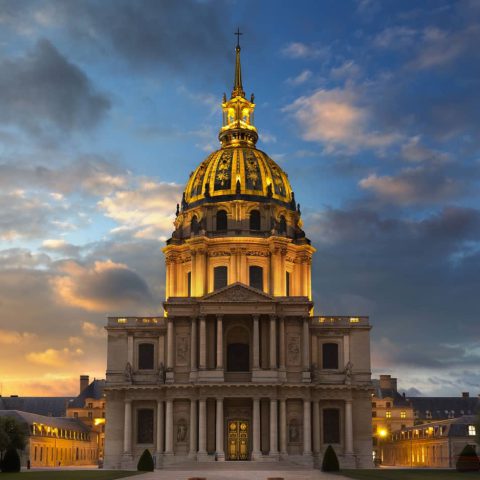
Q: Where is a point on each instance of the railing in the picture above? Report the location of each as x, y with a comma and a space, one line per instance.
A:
340, 321
136, 322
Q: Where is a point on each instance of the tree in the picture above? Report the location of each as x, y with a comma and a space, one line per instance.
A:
11, 461
468, 460
13, 434
145, 464
330, 461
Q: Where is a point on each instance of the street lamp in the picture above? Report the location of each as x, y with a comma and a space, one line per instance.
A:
382, 433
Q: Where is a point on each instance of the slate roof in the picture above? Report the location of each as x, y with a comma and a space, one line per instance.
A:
58, 422
440, 407
94, 390
48, 406
398, 400
456, 427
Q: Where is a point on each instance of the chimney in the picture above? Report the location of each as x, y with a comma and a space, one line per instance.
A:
387, 382
465, 394
84, 381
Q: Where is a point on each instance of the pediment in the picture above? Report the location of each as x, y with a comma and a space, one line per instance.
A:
237, 292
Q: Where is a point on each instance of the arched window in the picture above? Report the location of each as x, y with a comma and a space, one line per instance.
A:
331, 425
282, 228
145, 356
221, 221
330, 356
238, 350
220, 277
194, 227
256, 277
254, 220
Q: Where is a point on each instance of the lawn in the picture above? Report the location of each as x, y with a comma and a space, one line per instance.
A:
409, 474
68, 475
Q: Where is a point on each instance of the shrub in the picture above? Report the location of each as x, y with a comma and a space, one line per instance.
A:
468, 460
145, 464
330, 461
11, 461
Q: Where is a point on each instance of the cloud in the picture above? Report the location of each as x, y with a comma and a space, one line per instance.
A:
397, 37
148, 210
43, 90
303, 50
301, 78
53, 357
22, 258
413, 186
414, 151
89, 329
334, 118
348, 70
100, 287
12, 337
60, 246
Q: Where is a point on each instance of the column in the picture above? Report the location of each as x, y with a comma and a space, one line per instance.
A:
348, 427
193, 428
202, 426
160, 426
219, 342
169, 427
203, 343
273, 342
256, 428
169, 343
282, 342
127, 427
273, 428
130, 349
256, 343
306, 342
307, 425
316, 426
220, 454
193, 345
283, 426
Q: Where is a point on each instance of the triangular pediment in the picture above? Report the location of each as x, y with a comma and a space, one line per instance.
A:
237, 292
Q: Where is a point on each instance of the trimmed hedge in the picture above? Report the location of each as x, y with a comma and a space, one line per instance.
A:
145, 464
11, 461
330, 461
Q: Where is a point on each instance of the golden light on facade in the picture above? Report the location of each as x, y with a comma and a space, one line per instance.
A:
382, 432
99, 421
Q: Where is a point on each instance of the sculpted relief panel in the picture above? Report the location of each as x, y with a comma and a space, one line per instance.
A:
293, 350
183, 350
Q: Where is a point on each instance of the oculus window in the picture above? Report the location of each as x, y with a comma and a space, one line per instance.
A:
145, 356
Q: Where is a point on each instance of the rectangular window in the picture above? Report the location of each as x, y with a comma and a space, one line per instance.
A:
90, 415
472, 431
331, 425
330, 356
403, 414
374, 404
75, 414
374, 414
388, 404
287, 284
189, 284
219, 277
256, 277
145, 425
388, 414
146, 356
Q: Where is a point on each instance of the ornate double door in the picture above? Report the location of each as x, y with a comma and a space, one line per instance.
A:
237, 440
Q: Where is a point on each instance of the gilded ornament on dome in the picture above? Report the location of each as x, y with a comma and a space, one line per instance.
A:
223, 176
252, 171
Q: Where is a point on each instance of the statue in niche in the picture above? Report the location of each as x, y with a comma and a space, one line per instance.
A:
182, 349
181, 432
293, 432
128, 373
348, 373
161, 373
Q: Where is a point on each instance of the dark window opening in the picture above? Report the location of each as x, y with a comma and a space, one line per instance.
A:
287, 284
145, 425
145, 356
219, 277
283, 225
189, 284
256, 277
194, 226
238, 357
221, 221
330, 355
254, 220
331, 425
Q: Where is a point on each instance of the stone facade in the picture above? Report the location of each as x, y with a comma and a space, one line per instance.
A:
239, 368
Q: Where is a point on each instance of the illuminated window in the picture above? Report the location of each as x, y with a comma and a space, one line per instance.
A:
354, 320
403, 414
121, 320
219, 277
388, 414
472, 431
256, 277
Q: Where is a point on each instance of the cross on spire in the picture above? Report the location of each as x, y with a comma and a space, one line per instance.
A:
238, 33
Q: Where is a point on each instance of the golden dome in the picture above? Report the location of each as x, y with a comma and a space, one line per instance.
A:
239, 172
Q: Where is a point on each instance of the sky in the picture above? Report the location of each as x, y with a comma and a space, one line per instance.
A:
371, 107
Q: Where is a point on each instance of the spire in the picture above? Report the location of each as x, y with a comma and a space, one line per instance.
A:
237, 84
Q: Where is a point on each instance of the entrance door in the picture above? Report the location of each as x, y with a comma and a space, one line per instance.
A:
237, 440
